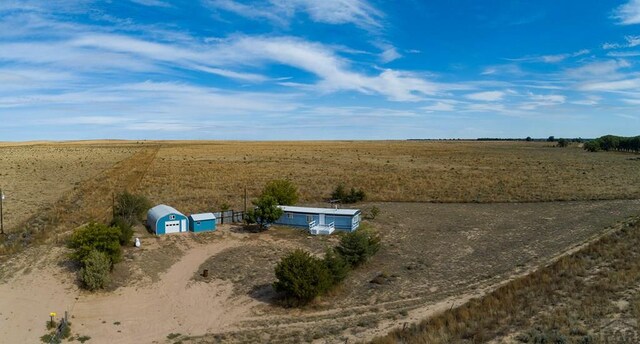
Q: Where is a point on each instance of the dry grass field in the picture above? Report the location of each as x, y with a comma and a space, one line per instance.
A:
203, 176
35, 176
457, 220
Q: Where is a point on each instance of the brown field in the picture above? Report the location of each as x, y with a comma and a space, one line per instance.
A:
458, 219
35, 176
201, 176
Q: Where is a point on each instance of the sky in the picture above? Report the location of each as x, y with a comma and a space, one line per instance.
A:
309, 70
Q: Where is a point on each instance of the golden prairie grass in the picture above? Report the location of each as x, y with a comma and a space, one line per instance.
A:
196, 176
34, 177
573, 300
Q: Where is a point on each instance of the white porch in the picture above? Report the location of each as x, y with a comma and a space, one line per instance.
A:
321, 229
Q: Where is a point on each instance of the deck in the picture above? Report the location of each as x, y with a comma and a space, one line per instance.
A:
321, 229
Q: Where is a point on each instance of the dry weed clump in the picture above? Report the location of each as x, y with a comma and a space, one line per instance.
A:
572, 300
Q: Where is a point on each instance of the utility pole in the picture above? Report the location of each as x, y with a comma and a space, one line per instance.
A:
1, 211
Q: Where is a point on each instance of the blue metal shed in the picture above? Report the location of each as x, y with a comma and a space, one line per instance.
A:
163, 219
320, 220
202, 222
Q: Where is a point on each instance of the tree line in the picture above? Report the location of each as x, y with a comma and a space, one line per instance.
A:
614, 143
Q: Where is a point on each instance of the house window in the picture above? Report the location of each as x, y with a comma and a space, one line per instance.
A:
198, 222
172, 217
290, 216
309, 218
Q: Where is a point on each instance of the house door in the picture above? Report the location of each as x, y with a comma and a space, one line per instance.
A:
321, 220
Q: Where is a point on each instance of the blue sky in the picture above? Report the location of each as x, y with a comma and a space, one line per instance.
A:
307, 69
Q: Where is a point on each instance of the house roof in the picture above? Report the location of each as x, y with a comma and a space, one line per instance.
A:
202, 217
327, 211
161, 210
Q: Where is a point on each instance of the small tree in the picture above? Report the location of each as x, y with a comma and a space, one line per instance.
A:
96, 236
562, 143
95, 273
356, 247
343, 196
131, 207
551, 139
337, 266
528, 139
284, 191
302, 276
266, 212
126, 230
339, 192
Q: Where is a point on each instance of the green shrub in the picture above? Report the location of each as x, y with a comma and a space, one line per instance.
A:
343, 196
337, 266
130, 207
302, 276
98, 237
284, 191
356, 247
95, 273
266, 212
126, 230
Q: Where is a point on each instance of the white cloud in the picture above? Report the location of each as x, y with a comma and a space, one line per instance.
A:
609, 86
389, 54
631, 41
488, 96
440, 106
152, 3
628, 13
357, 12
551, 58
602, 69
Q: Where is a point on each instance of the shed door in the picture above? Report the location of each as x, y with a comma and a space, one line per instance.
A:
172, 227
183, 225
321, 220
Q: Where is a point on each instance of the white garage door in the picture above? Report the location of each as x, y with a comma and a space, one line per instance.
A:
172, 227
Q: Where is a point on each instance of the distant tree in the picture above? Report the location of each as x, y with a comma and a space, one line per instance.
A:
284, 191
528, 139
302, 276
95, 272
266, 211
98, 237
563, 143
592, 146
551, 139
131, 207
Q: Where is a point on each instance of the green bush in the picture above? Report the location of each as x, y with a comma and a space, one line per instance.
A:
99, 237
266, 212
95, 273
302, 276
343, 196
337, 266
126, 230
131, 207
284, 191
356, 247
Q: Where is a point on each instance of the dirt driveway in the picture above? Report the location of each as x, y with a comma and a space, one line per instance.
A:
433, 255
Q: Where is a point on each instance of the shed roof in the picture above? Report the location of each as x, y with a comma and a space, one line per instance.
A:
327, 211
202, 217
161, 210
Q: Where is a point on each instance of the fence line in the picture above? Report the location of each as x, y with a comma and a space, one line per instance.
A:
229, 216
